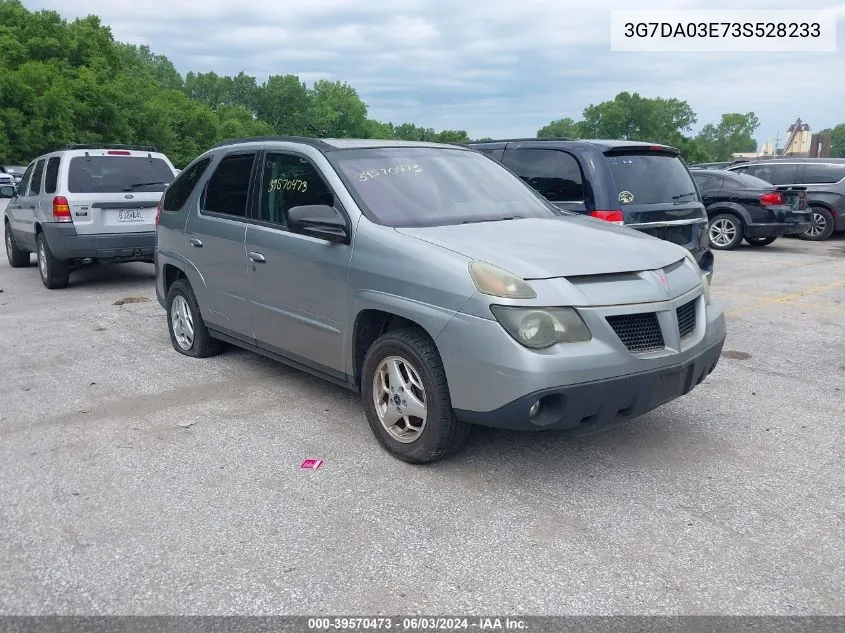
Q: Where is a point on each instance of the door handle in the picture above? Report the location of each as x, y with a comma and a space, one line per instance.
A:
258, 258
195, 242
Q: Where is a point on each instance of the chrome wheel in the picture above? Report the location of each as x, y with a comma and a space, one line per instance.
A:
8, 243
399, 398
818, 224
723, 232
182, 322
42, 260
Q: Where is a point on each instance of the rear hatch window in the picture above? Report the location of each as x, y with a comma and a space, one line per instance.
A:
651, 179
116, 174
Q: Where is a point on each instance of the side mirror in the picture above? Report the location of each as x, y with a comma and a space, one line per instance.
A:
319, 220
7, 191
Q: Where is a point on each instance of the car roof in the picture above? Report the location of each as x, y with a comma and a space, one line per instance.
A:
602, 144
333, 144
790, 159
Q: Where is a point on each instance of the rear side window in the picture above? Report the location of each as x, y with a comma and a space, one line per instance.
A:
816, 173
35, 185
775, 174
228, 188
180, 189
650, 179
555, 174
116, 174
52, 176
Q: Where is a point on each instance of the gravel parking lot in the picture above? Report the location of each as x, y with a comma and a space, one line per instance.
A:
134, 480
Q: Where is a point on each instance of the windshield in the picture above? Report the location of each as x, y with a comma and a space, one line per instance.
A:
651, 179
114, 174
748, 182
427, 186
15, 170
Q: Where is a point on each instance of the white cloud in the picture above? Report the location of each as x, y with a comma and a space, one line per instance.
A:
494, 68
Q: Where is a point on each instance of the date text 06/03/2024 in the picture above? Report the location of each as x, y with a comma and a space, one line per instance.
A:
418, 623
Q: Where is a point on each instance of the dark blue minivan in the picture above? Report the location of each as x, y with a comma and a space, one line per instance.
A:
643, 186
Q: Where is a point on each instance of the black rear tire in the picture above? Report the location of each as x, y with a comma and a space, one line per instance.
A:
202, 344
17, 258
821, 227
443, 434
725, 232
55, 273
759, 241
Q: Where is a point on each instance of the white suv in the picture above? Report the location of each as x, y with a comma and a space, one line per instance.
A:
86, 203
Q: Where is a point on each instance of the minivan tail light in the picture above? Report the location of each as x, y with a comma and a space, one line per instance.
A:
158, 211
772, 198
614, 217
61, 209
119, 152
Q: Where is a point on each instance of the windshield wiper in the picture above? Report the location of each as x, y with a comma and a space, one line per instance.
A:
510, 217
146, 184
683, 195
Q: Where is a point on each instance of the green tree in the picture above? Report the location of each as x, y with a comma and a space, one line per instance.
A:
283, 102
562, 128
837, 141
336, 110
633, 117
734, 133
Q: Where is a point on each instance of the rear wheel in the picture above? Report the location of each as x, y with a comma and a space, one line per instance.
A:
725, 232
17, 258
406, 398
188, 332
760, 241
821, 225
55, 273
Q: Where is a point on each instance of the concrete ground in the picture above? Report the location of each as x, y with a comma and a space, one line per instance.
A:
134, 480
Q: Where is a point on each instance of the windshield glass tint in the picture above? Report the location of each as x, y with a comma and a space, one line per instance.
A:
113, 174
651, 179
421, 186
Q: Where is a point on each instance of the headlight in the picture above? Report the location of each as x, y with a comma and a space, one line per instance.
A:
539, 328
705, 280
491, 280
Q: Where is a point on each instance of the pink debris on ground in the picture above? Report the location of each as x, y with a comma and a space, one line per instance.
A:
312, 463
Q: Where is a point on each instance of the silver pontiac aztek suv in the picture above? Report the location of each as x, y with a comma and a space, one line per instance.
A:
435, 282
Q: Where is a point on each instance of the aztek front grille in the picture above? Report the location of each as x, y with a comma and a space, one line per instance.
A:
686, 319
639, 332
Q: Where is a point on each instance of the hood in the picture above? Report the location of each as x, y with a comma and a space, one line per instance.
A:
542, 248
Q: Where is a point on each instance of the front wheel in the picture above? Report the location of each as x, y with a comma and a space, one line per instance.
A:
725, 232
406, 398
821, 225
55, 273
17, 258
760, 241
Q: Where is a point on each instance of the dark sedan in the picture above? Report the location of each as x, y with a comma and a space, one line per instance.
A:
743, 207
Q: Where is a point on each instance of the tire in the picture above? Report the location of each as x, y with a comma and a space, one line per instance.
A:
417, 363
821, 227
17, 258
759, 241
724, 232
197, 343
55, 273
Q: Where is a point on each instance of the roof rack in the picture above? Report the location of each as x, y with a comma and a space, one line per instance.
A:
514, 140
137, 148
305, 140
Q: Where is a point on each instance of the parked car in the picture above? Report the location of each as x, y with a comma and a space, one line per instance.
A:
641, 185
720, 165
86, 203
740, 207
434, 282
15, 171
824, 179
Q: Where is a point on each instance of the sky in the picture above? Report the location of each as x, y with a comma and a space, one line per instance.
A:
497, 68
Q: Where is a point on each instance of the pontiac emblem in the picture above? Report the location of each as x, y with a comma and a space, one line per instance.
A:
661, 277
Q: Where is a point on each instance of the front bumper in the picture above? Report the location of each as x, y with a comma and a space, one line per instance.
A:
776, 229
593, 406
493, 380
66, 243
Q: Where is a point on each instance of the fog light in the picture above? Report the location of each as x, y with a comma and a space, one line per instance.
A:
534, 410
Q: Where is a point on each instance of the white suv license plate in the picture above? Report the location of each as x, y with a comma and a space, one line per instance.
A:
130, 216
